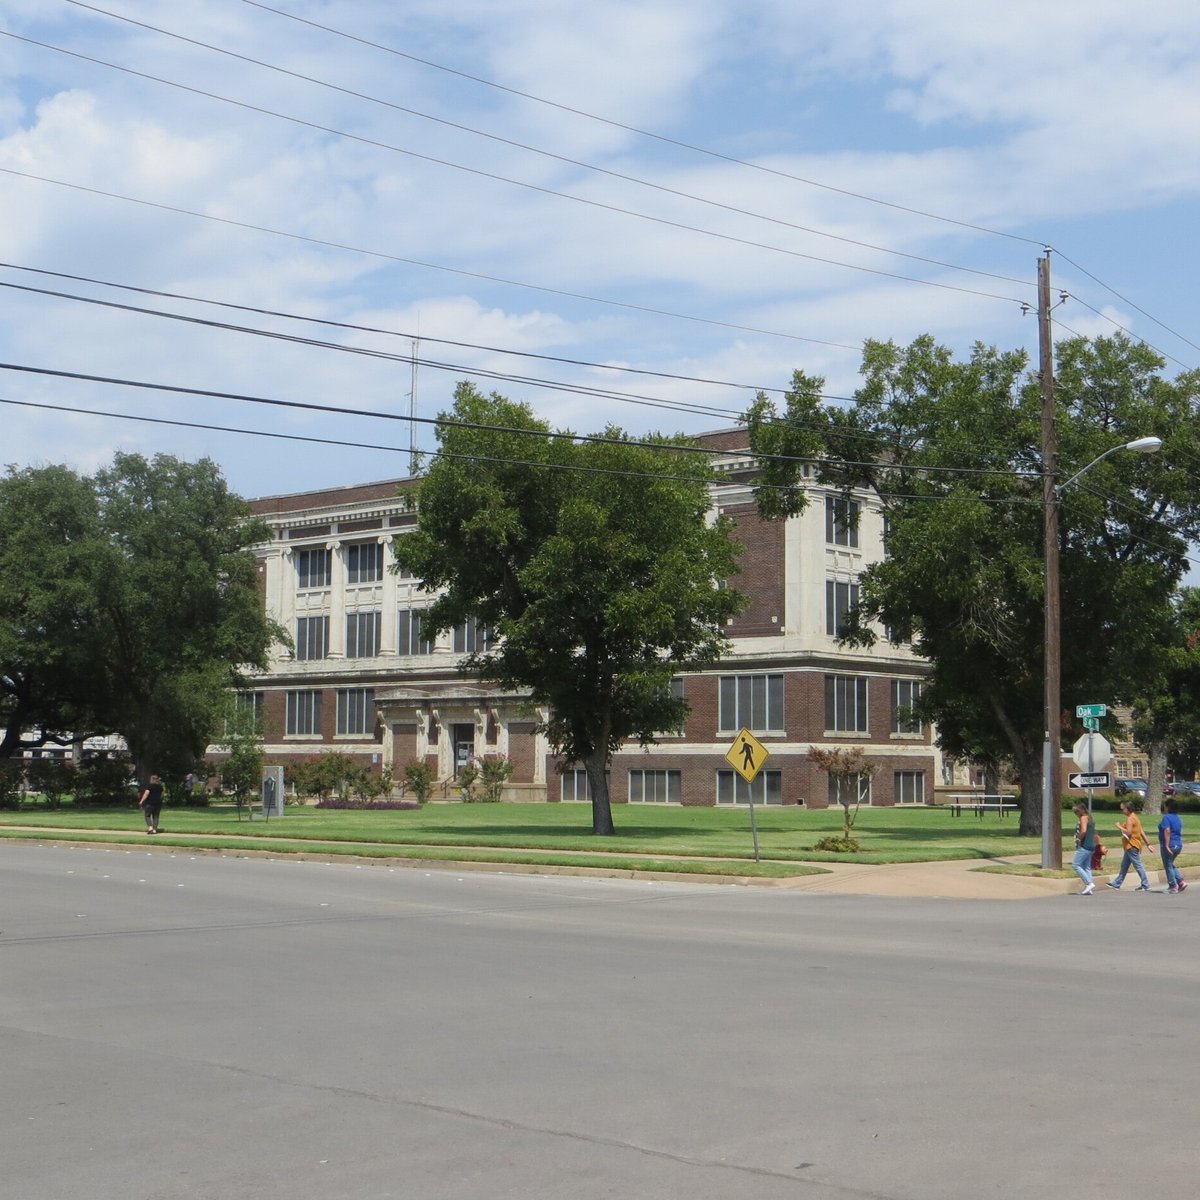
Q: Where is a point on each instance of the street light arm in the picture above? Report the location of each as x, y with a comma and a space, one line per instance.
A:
1143, 445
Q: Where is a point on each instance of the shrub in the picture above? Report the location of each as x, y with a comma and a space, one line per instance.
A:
105, 780
346, 802
494, 771
52, 777
468, 776
11, 778
418, 775
838, 844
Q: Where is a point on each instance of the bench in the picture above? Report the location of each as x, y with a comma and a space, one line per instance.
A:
979, 803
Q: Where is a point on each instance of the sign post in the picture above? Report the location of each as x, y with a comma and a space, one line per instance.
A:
1091, 754
746, 756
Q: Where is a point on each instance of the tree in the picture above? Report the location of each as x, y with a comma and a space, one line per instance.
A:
129, 604
54, 562
951, 449
242, 771
851, 771
1166, 708
594, 563
183, 613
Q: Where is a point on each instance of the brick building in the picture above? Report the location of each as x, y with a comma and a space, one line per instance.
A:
366, 679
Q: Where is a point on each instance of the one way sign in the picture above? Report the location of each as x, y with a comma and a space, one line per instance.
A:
1098, 779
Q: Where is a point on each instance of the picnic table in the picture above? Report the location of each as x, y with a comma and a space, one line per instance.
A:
980, 803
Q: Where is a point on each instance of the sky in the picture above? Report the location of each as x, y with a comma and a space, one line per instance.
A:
634, 212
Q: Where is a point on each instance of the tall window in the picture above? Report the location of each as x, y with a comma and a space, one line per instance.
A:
905, 694
312, 637
303, 714
471, 637
362, 634
313, 568
356, 710
910, 787
364, 562
411, 639
767, 788
655, 787
249, 708
856, 788
575, 785
846, 703
841, 521
840, 598
750, 702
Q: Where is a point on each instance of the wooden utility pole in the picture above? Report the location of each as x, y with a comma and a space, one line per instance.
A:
1052, 747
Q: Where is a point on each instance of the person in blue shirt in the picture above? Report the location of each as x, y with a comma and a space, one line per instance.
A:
1170, 842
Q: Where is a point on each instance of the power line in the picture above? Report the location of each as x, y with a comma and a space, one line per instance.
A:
445, 422
300, 75
329, 244
495, 177
658, 137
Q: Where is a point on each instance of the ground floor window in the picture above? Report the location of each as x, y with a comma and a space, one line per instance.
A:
910, 787
767, 788
303, 714
356, 710
655, 787
575, 785
855, 788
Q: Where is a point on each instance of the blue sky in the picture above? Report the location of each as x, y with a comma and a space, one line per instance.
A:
817, 175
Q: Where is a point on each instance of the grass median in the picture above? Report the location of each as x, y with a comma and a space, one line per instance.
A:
709, 841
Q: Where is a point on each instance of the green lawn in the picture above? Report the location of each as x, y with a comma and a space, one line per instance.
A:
648, 837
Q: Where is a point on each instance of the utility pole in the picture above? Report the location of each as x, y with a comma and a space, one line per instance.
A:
1052, 747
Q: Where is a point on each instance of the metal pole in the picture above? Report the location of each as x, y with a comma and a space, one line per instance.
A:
1051, 748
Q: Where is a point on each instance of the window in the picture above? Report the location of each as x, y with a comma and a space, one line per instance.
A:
312, 638
767, 788
1122, 768
840, 598
905, 694
841, 521
1139, 769
655, 787
303, 714
750, 702
362, 634
855, 788
471, 637
575, 785
249, 709
356, 710
411, 639
364, 562
910, 787
313, 568
846, 703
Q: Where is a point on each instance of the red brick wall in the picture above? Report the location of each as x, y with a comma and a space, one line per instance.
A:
760, 573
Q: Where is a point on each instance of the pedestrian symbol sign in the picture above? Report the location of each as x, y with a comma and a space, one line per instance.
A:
747, 755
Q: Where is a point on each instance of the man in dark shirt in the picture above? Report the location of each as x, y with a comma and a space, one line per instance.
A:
150, 802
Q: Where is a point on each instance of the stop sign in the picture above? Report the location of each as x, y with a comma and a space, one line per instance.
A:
1092, 752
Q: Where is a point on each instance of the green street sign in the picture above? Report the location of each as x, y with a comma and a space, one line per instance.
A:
1091, 710
1092, 723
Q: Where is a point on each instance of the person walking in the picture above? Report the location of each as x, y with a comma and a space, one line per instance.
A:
1085, 847
150, 802
1133, 842
1170, 842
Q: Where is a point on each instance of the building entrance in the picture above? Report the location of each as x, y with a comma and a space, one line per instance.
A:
462, 738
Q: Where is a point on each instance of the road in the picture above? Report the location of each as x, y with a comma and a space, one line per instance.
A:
179, 1025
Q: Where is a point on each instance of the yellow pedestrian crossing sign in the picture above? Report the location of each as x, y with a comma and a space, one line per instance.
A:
747, 755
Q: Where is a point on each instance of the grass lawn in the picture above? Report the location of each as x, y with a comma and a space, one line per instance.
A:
648, 837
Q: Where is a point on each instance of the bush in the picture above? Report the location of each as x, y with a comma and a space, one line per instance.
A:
838, 844
494, 771
418, 775
11, 778
346, 802
53, 778
105, 780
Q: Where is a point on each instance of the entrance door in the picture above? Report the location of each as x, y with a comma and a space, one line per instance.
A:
463, 740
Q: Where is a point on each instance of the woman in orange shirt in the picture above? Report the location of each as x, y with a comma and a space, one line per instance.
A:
1133, 842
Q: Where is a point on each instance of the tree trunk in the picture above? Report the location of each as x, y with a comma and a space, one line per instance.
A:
1030, 769
1156, 778
597, 776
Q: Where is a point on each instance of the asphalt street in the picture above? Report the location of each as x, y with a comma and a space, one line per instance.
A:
177, 1025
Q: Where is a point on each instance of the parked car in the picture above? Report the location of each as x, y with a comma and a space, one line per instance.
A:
1185, 787
1132, 787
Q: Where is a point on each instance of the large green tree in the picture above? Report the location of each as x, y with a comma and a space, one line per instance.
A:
54, 561
952, 449
596, 564
137, 606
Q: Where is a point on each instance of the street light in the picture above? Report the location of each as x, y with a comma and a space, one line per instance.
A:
1051, 748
